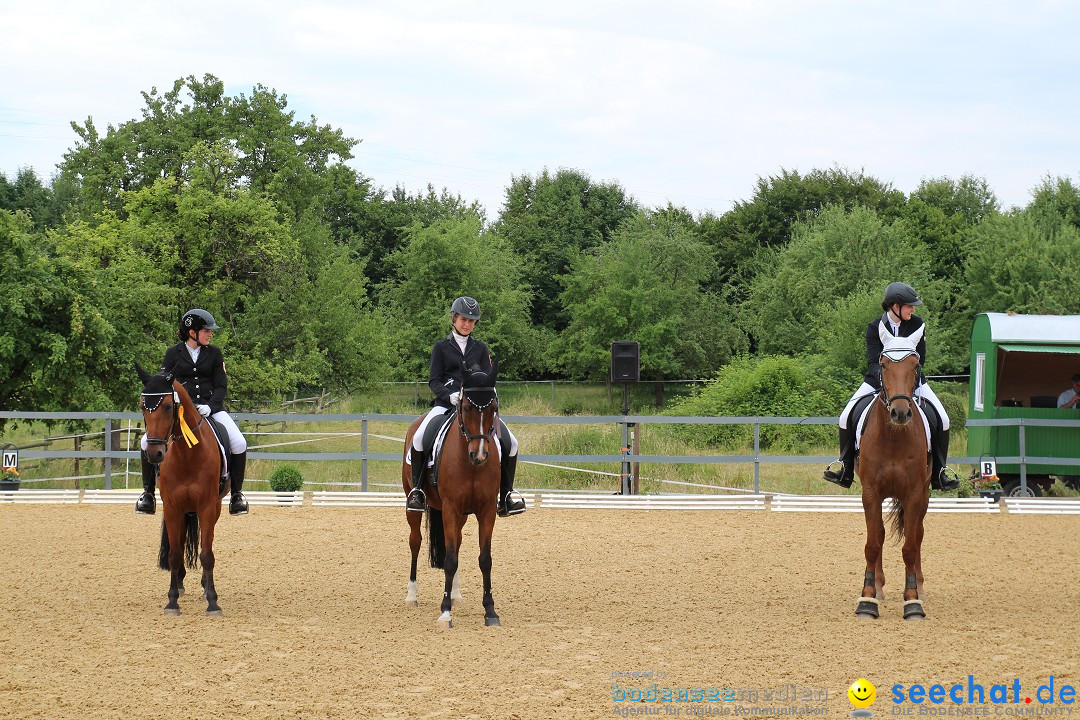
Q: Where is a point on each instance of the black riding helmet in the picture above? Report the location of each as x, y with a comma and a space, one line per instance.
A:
466, 307
901, 293
196, 319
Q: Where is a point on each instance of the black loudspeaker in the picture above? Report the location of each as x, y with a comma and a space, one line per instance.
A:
625, 363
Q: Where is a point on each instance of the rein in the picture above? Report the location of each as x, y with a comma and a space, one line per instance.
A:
883, 393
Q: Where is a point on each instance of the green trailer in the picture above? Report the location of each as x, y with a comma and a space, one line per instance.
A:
1019, 366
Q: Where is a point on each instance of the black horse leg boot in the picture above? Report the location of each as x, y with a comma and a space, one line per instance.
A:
942, 477
510, 502
416, 502
842, 470
237, 467
146, 504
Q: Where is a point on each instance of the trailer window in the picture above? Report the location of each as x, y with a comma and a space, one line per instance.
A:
980, 380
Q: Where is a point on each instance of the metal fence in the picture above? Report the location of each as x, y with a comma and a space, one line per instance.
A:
628, 459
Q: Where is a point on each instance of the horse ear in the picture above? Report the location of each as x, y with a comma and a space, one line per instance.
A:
171, 374
143, 375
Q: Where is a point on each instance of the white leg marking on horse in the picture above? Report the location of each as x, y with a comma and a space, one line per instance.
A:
444, 622
411, 597
455, 589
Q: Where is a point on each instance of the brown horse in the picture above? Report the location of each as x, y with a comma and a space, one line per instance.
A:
181, 442
894, 463
468, 484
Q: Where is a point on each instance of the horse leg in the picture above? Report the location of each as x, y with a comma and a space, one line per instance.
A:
452, 536
867, 606
455, 588
208, 518
913, 521
487, 527
411, 598
174, 526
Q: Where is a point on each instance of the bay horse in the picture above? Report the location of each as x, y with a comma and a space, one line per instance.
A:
467, 477
894, 463
181, 442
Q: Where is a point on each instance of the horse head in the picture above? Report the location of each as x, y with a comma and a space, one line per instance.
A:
160, 405
899, 372
478, 412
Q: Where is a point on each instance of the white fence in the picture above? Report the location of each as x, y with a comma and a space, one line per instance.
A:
577, 501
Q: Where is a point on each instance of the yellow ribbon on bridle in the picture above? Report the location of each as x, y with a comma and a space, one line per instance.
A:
189, 436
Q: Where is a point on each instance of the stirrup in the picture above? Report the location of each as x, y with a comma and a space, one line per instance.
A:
511, 504
835, 473
947, 479
417, 501
146, 504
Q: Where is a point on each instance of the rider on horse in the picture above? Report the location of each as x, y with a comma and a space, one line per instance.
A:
898, 321
200, 368
449, 357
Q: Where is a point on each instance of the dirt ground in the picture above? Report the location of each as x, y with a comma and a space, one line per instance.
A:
755, 609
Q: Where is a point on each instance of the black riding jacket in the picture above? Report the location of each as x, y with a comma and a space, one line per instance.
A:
447, 363
874, 346
205, 380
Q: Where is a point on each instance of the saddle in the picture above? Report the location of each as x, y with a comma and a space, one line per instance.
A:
432, 443
222, 436
859, 412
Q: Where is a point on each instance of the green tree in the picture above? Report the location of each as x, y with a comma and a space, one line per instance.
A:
80, 308
448, 259
822, 289
942, 213
1025, 263
645, 284
276, 154
549, 221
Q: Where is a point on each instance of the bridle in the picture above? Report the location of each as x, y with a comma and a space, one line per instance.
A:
493, 403
896, 356
174, 428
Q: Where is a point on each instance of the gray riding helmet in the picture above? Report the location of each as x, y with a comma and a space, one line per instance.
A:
901, 293
466, 307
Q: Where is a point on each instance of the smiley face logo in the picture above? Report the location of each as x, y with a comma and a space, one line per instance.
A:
862, 693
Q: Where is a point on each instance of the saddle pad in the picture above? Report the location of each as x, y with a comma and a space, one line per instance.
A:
222, 438
866, 413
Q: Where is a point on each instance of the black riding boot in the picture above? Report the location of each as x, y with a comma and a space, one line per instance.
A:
147, 504
416, 501
510, 502
237, 467
942, 477
842, 470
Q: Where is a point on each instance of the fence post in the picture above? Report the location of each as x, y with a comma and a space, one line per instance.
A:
757, 458
363, 449
108, 449
1023, 459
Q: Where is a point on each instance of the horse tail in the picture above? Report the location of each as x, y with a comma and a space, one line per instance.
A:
896, 517
163, 551
436, 539
191, 545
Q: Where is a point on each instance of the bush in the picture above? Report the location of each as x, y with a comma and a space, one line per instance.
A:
776, 386
286, 478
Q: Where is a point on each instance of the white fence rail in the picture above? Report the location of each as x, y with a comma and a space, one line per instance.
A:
579, 501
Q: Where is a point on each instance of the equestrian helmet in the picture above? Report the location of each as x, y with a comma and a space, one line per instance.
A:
901, 293
196, 319
466, 307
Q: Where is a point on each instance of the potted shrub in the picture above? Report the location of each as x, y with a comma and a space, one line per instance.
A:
286, 479
988, 487
10, 479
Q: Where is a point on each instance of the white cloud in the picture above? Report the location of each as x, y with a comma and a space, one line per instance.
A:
686, 101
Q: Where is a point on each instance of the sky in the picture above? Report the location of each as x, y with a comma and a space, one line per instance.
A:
679, 102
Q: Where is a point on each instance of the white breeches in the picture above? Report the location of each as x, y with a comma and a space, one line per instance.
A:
924, 392
418, 438
237, 441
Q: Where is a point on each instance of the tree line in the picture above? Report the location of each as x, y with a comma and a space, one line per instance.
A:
319, 277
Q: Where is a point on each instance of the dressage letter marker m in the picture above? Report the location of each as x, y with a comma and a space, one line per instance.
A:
11, 459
